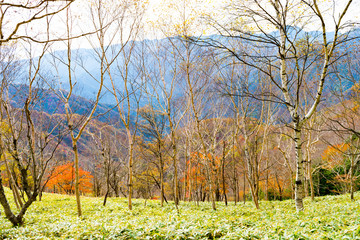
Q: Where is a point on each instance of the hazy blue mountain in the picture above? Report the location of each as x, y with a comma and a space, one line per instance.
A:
45, 100
143, 67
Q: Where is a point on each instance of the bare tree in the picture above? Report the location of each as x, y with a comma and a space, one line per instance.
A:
15, 17
252, 118
275, 37
153, 127
165, 95
124, 78
76, 124
109, 153
341, 120
29, 138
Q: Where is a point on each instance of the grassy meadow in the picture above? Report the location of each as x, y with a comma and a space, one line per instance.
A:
331, 217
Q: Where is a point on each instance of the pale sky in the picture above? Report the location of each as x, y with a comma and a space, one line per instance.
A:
160, 13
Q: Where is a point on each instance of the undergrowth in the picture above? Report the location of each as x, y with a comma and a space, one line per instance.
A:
55, 217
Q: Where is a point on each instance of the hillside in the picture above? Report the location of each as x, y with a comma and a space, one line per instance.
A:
48, 110
87, 145
331, 217
49, 102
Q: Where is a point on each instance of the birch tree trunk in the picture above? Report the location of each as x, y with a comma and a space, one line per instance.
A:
287, 62
299, 180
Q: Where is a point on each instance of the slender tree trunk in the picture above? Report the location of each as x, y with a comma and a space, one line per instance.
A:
107, 173
14, 188
190, 187
352, 180
255, 197
236, 194
116, 185
299, 181
213, 196
40, 195
267, 180
306, 182
311, 183
130, 185
185, 181
161, 184
189, 174
77, 178
196, 187
312, 188
223, 176
176, 200
106, 196
279, 187
107, 191
14, 195
252, 180
244, 187
308, 167
290, 171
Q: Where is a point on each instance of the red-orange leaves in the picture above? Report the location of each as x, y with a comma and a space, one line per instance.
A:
62, 180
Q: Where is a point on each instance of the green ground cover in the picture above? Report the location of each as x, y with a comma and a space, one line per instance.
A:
331, 217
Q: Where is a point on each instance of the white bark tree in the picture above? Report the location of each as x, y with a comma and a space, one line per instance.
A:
274, 33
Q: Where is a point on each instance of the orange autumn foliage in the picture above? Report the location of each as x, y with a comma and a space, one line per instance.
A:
62, 179
334, 155
196, 170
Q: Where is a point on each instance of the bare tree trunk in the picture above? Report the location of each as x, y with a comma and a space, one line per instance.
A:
306, 181
130, 185
310, 183
223, 175
14, 195
351, 180
235, 181
77, 178
185, 178
14, 187
267, 180
190, 182
213, 196
174, 157
252, 176
106, 196
236, 192
107, 169
161, 182
312, 187
244, 187
16, 220
299, 181
279, 187
40, 194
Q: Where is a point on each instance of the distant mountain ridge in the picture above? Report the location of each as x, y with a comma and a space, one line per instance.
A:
86, 71
49, 102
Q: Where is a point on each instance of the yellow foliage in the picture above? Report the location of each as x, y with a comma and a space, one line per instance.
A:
334, 155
